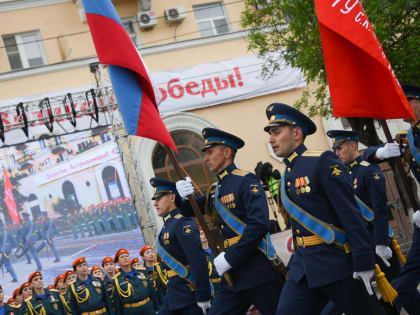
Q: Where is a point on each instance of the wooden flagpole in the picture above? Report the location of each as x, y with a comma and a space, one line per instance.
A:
400, 167
197, 212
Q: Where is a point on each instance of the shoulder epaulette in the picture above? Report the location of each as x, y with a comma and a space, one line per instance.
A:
114, 277
312, 153
53, 290
178, 216
239, 172
28, 299
364, 163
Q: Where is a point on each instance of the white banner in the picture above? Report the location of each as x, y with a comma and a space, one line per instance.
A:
226, 81
100, 155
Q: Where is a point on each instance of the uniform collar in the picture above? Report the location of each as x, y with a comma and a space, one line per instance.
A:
222, 174
355, 162
290, 159
171, 214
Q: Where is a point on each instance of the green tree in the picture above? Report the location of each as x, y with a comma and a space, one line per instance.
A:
290, 27
66, 206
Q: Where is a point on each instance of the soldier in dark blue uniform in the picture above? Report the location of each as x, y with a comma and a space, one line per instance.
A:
238, 207
48, 232
406, 284
370, 189
6, 247
29, 239
134, 293
43, 301
183, 258
332, 244
87, 293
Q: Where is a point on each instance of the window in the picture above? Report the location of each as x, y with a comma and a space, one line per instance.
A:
24, 50
132, 28
190, 157
211, 19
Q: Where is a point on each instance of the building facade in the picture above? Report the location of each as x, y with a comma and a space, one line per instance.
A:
197, 54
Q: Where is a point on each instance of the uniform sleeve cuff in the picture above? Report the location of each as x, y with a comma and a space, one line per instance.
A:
233, 258
202, 295
363, 261
381, 240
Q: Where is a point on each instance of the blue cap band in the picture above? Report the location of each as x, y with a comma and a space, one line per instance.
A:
221, 140
287, 119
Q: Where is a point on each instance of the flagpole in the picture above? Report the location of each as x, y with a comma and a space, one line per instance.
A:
197, 212
400, 167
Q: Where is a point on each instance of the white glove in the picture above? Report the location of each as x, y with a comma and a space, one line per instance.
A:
184, 187
389, 150
365, 276
385, 253
221, 264
204, 306
416, 218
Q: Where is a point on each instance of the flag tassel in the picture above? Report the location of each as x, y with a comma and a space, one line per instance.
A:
398, 252
388, 293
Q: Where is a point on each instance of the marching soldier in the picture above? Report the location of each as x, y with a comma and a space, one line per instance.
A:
370, 192
63, 289
109, 267
43, 301
180, 249
68, 278
407, 282
155, 273
28, 239
48, 232
332, 245
59, 285
238, 207
6, 247
87, 293
134, 292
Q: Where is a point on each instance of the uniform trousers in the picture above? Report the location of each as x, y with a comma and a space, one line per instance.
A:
265, 298
406, 284
349, 295
189, 310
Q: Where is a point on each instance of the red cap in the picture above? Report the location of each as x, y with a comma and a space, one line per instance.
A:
133, 261
144, 248
117, 270
200, 228
10, 301
50, 286
58, 278
94, 268
24, 285
119, 253
33, 275
78, 261
107, 260
16, 292
66, 274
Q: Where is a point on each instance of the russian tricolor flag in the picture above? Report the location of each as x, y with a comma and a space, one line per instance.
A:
129, 76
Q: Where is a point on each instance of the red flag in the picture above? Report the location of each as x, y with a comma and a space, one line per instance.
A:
9, 199
360, 77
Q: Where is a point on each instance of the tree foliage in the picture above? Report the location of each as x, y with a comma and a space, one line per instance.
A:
291, 28
66, 206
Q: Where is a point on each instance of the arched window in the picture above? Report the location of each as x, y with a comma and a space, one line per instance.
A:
112, 183
190, 157
69, 192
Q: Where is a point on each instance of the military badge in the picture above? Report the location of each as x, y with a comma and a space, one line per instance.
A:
187, 230
255, 189
376, 176
335, 170
270, 108
145, 283
55, 305
96, 284
355, 183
